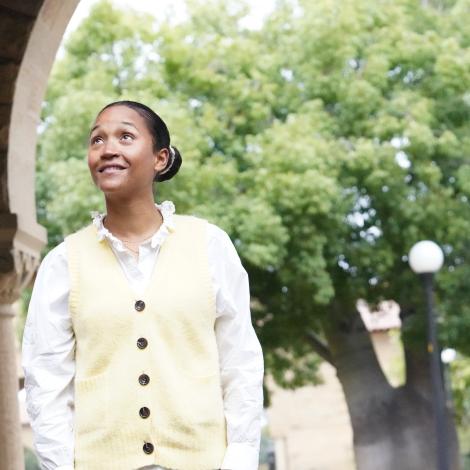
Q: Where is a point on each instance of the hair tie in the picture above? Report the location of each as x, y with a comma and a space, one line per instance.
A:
170, 164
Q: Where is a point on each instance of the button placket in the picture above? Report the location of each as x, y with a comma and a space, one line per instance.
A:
144, 379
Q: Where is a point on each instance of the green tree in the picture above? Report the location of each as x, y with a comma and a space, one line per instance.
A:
326, 144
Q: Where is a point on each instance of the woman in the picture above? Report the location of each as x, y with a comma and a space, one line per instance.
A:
138, 350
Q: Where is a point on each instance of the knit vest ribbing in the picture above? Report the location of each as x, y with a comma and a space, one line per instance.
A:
186, 424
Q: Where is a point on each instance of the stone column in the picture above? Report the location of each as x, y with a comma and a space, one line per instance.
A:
11, 446
18, 263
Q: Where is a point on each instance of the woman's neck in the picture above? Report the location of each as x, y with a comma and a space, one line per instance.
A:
132, 219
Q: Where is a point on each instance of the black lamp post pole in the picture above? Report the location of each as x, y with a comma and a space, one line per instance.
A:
438, 395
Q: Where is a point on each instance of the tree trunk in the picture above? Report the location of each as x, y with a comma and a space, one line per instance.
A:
393, 428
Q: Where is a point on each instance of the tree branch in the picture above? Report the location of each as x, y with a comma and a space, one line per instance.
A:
319, 347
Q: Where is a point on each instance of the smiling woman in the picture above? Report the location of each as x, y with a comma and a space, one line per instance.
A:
142, 319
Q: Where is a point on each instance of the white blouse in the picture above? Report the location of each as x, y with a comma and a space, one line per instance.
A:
48, 346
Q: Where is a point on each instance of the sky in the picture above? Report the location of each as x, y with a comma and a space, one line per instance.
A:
259, 10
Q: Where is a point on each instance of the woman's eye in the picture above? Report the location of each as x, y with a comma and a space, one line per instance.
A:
95, 140
128, 137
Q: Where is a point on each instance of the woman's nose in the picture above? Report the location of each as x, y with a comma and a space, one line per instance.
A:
109, 149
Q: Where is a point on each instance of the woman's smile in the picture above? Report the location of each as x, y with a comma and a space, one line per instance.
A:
111, 168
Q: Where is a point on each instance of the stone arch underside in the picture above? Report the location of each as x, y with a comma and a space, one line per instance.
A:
30, 34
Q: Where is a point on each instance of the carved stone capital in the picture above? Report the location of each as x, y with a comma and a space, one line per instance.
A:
15, 280
20, 253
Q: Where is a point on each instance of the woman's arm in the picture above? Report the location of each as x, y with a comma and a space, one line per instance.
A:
48, 361
240, 354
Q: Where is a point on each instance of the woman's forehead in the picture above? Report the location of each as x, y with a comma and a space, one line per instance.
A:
118, 115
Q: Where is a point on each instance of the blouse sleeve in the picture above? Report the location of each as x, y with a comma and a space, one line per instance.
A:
240, 354
48, 361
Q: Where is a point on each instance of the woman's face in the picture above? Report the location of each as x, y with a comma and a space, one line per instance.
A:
120, 152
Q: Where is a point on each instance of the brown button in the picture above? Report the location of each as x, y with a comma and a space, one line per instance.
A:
144, 412
148, 447
139, 305
144, 379
142, 343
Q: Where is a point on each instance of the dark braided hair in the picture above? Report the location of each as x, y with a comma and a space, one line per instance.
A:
160, 136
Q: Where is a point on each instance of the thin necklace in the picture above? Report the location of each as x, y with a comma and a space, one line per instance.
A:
130, 241
136, 242
133, 251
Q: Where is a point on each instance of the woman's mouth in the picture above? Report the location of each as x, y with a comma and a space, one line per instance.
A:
111, 169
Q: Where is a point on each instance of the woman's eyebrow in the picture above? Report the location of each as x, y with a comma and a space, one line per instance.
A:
129, 124
122, 122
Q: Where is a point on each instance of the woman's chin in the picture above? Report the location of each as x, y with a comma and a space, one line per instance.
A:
110, 187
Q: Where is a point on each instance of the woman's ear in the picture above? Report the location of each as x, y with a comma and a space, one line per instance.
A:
161, 160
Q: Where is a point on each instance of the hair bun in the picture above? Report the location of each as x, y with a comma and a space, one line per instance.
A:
174, 163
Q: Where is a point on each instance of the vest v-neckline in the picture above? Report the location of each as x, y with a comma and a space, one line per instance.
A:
144, 294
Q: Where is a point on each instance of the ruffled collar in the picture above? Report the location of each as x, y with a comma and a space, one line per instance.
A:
166, 208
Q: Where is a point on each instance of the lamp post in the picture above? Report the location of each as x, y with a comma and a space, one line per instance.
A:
426, 258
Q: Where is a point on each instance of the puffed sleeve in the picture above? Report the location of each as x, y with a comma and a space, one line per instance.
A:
240, 353
48, 361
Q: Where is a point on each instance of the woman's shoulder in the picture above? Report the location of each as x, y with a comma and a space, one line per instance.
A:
219, 240
214, 231
55, 259
58, 254
91, 227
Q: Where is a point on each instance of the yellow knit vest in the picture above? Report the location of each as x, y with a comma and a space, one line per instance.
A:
147, 382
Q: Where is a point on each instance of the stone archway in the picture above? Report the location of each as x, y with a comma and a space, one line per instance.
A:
30, 34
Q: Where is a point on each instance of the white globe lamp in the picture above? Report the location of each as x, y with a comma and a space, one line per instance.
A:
426, 257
